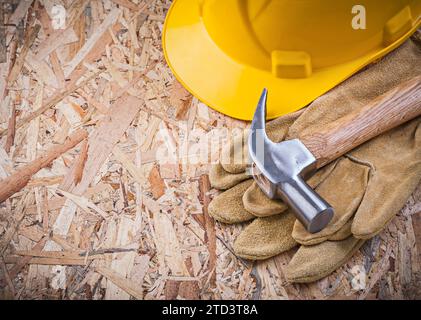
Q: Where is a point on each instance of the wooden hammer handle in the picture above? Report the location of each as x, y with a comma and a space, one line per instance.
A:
389, 110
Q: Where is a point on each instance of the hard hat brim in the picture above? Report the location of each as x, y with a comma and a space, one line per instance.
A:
233, 88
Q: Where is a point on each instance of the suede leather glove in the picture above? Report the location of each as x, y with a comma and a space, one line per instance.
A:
366, 187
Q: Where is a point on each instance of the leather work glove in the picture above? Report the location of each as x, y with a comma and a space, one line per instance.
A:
366, 186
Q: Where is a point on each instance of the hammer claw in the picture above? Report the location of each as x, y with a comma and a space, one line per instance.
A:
259, 119
259, 142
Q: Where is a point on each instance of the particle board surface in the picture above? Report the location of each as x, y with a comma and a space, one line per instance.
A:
116, 217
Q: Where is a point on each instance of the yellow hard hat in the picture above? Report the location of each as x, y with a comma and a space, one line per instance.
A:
226, 51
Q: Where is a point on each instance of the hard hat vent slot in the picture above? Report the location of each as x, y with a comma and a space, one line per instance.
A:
397, 26
291, 64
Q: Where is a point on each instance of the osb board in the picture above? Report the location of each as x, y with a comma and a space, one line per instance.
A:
107, 219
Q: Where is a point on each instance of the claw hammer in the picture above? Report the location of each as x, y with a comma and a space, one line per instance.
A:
280, 169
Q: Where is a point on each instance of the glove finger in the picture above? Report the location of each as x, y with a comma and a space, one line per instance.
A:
343, 190
311, 263
228, 206
396, 159
266, 237
343, 232
257, 203
322, 174
278, 128
234, 157
222, 180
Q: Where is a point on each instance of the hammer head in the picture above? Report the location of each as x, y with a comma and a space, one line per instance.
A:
280, 170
